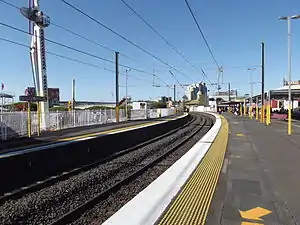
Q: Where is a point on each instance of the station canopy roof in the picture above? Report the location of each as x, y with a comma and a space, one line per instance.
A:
233, 102
284, 93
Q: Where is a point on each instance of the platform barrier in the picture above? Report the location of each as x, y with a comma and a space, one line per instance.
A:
15, 124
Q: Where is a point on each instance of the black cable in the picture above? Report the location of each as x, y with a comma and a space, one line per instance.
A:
166, 41
13, 42
72, 59
10, 4
78, 35
202, 34
121, 36
176, 80
57, 43
82, 37
58, 55
158, 34
80, 51
234, 67
91, 41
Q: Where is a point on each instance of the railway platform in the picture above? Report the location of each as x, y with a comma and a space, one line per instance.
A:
76, 133
259, 182
241, 172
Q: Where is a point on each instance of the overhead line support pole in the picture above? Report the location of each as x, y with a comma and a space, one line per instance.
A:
290, 75
229, 93
174, 92
262, 82
117, 86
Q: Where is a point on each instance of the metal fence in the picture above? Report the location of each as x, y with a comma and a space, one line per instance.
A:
16, 124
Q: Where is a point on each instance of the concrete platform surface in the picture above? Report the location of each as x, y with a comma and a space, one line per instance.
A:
259, 183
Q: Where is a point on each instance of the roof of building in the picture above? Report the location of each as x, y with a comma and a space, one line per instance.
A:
293, 87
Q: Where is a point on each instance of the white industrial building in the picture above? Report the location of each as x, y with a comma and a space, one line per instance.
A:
194, 91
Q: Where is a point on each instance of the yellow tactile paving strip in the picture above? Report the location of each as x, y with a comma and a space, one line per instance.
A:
192, 204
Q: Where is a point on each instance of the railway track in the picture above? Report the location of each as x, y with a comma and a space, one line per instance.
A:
127, 171
73, 214
17, 193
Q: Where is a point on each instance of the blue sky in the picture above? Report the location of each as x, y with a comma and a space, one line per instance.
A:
234, 29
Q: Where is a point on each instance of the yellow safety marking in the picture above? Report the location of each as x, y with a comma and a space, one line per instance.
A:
116, 130
255, 213
249, 223
192, 204
240, 135
106, 132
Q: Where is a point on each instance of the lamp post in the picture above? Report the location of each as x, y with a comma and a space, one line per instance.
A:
289, 18
251, 91
126, 94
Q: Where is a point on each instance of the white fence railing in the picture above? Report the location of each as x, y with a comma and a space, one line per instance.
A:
16, 124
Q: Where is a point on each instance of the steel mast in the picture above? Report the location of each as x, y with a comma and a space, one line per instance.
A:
38, 21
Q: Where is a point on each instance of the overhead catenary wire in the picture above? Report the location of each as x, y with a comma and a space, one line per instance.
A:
158, 34
202, 34
76, 34
87, 39
92, 41
121, 36
72, 59
165, 40
172, 74
10, 4
110, 49
80, 51
107, 48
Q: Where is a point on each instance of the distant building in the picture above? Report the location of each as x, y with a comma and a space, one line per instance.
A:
165, 99
196, 91
191, 92
53, 95
140, 105
224, 96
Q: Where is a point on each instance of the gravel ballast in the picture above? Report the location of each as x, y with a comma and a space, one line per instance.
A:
115, 201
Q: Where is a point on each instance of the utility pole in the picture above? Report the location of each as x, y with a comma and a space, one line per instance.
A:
174, 92
289, 18
262, 82
117, 86
73, 102
73, 94
220, 73
256, 108
126, 103
251, 91
229, 92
